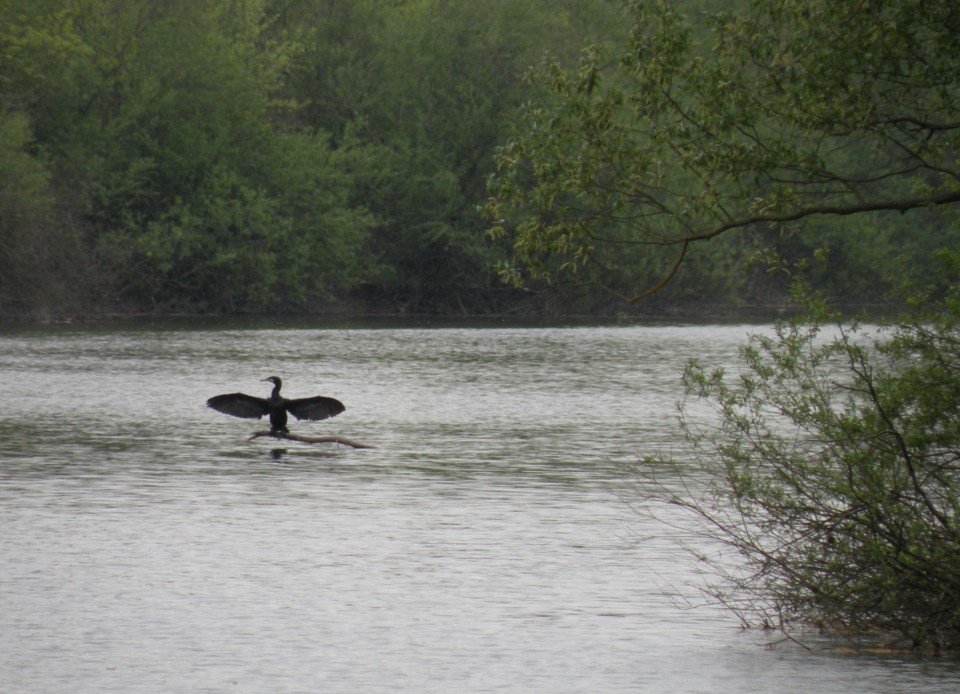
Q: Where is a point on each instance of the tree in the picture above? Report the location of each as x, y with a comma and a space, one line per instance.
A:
831, 469
769, 115
169, 155
829, 461
40, 255
430, 89
43, 264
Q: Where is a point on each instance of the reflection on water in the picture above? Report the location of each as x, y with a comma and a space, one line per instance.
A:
149, 546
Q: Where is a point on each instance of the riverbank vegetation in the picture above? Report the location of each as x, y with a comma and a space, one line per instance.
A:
824, 474
830, 463
253, 155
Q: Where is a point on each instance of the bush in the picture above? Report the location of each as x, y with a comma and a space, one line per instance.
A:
830, 464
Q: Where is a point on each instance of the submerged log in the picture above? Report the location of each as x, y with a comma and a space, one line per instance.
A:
312, 439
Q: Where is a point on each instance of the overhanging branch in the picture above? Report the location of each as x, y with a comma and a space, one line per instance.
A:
901, 205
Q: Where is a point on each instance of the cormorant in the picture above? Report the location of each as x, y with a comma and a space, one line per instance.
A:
243, 405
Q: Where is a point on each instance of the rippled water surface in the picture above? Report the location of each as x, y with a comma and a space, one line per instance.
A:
484, 545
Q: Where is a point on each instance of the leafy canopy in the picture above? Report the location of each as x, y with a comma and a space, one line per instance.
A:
766, 114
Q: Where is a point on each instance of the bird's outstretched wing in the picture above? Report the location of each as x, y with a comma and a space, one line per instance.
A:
315, 408
239, 405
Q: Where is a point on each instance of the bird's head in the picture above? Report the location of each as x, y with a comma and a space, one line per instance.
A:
275, 380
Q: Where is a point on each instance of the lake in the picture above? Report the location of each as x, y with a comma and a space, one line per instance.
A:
486, 543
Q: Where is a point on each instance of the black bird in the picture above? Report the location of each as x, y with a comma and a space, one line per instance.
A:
277, 406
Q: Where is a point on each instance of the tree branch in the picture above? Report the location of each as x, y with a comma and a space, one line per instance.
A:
669, 276
901, 205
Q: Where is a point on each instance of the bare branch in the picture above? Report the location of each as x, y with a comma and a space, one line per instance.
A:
901, 205
311, 439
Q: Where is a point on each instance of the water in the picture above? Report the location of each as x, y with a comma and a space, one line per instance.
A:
484, 545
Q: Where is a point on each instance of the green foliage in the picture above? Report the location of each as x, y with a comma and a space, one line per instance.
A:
24, 203
830, 464
761, 117
161, 126
23, 178
41, 257
449, 81
251, 155
40, 253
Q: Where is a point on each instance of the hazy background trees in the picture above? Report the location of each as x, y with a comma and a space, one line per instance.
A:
250, 155
255, 154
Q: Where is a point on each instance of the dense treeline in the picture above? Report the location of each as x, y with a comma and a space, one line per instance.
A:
244, 155
251, 155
